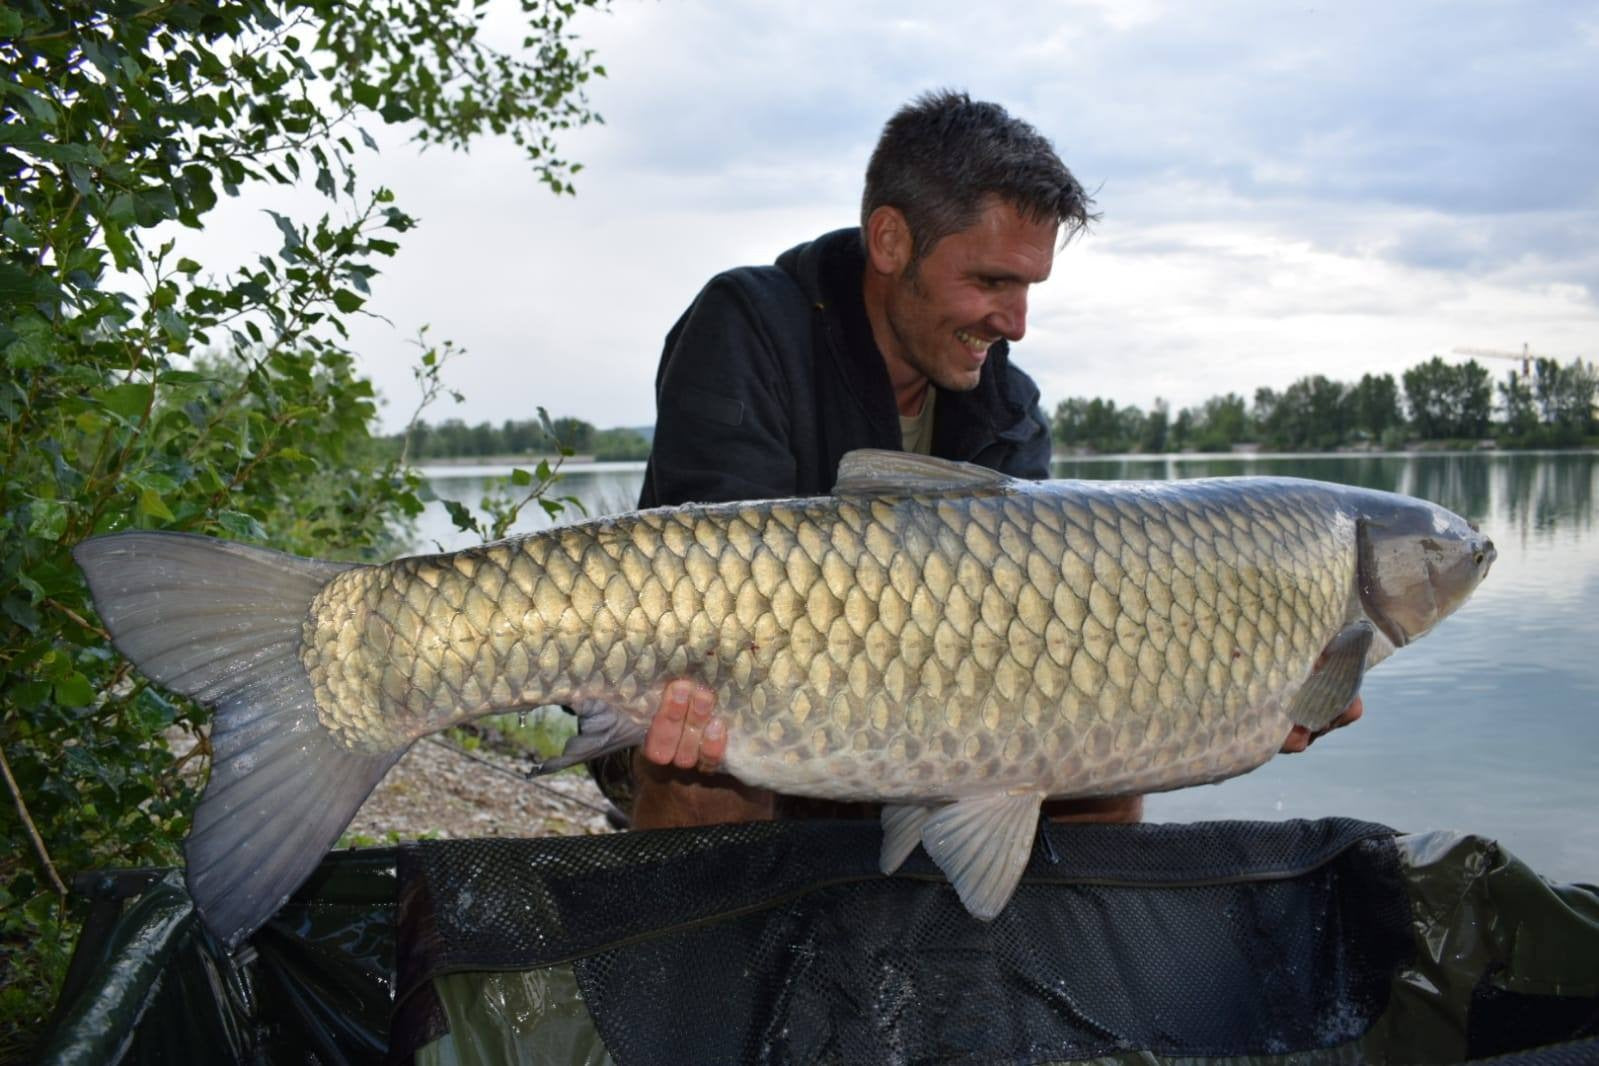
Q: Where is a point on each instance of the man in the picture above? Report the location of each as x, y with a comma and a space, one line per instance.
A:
893, 335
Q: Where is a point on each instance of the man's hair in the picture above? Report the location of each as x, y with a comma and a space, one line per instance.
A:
943, 154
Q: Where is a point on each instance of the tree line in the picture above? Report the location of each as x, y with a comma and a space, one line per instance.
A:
1552, 405
455, 439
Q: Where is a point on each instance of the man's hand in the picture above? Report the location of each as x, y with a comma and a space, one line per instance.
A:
684, 733
1300, 738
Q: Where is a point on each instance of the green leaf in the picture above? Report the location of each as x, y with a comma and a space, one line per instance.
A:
366, 95
521, 478
462, 517
151, 504
15, 282
347, 301
174, 325
74, 691
240, 525
130, 400
21, 612
49, 519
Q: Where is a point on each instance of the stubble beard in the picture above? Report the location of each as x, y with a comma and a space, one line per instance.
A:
927, 363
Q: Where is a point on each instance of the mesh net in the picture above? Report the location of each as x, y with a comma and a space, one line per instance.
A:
778, 942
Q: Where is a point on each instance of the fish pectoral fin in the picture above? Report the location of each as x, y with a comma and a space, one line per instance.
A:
902, 831
601, 729
871, 471
1335, 682
982, 844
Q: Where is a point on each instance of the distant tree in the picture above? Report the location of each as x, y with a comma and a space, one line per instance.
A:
1221, 422
1106, 430
1546, 389
519, 438
1473, 399
1449, 401
1320, 412
618, 445
1374, 405
1129, 428
1264, 413
1067, 425
1516, 399
1153, 437
1427, 391
574, 434
1565, 393
421, 439
1580, 388
1182, 431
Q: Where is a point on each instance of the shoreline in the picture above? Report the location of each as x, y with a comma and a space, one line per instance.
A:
589, 461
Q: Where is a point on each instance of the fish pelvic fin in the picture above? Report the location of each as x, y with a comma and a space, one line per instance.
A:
222, 622
1335, 682
982, 843
902, 831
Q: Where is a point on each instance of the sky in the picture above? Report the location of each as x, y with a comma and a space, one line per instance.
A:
1286, 189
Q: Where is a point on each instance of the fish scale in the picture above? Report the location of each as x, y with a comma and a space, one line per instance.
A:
797, 600
943, 639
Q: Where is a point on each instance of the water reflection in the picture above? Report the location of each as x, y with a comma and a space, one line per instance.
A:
1517, 492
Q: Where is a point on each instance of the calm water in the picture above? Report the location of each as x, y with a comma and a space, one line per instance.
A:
1490, 724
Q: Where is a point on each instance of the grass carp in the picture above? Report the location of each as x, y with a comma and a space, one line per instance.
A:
952, 642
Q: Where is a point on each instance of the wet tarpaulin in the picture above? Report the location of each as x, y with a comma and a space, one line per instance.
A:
1330, 941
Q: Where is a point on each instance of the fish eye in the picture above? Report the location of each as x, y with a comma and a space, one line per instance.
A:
1478, 558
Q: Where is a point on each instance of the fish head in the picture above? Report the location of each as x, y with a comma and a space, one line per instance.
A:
1417, 563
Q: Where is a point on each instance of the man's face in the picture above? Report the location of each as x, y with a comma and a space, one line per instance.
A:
967, 293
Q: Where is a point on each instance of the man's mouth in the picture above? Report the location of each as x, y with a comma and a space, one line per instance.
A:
974, 344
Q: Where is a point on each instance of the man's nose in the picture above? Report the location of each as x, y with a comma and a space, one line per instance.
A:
1009, 319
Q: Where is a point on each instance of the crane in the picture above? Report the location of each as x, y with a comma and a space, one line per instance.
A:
1524, 357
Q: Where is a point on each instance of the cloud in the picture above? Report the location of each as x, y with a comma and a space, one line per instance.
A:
1287, 189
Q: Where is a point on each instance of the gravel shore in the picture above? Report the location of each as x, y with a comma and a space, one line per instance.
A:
438, 790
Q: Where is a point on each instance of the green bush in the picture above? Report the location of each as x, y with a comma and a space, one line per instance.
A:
143, 390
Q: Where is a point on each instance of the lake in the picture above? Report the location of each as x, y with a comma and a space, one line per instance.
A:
1490, 724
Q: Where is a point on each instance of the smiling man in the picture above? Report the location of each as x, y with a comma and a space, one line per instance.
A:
893, 334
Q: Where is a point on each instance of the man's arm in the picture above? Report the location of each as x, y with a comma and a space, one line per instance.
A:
724, 411
723, 425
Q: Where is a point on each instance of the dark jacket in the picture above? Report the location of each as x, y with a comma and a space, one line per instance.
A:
771, 376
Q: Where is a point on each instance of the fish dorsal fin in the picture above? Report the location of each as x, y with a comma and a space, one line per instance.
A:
879, 472
982, 844
902, 831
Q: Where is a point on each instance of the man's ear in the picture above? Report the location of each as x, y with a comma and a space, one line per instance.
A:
888, 241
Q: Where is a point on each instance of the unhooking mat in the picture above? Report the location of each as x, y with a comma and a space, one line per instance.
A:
1298, 942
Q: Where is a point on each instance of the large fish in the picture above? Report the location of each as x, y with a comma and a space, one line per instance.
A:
952, 642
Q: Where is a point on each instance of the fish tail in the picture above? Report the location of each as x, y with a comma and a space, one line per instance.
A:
222, 622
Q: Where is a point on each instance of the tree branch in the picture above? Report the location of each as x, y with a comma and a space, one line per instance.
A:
33, 832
